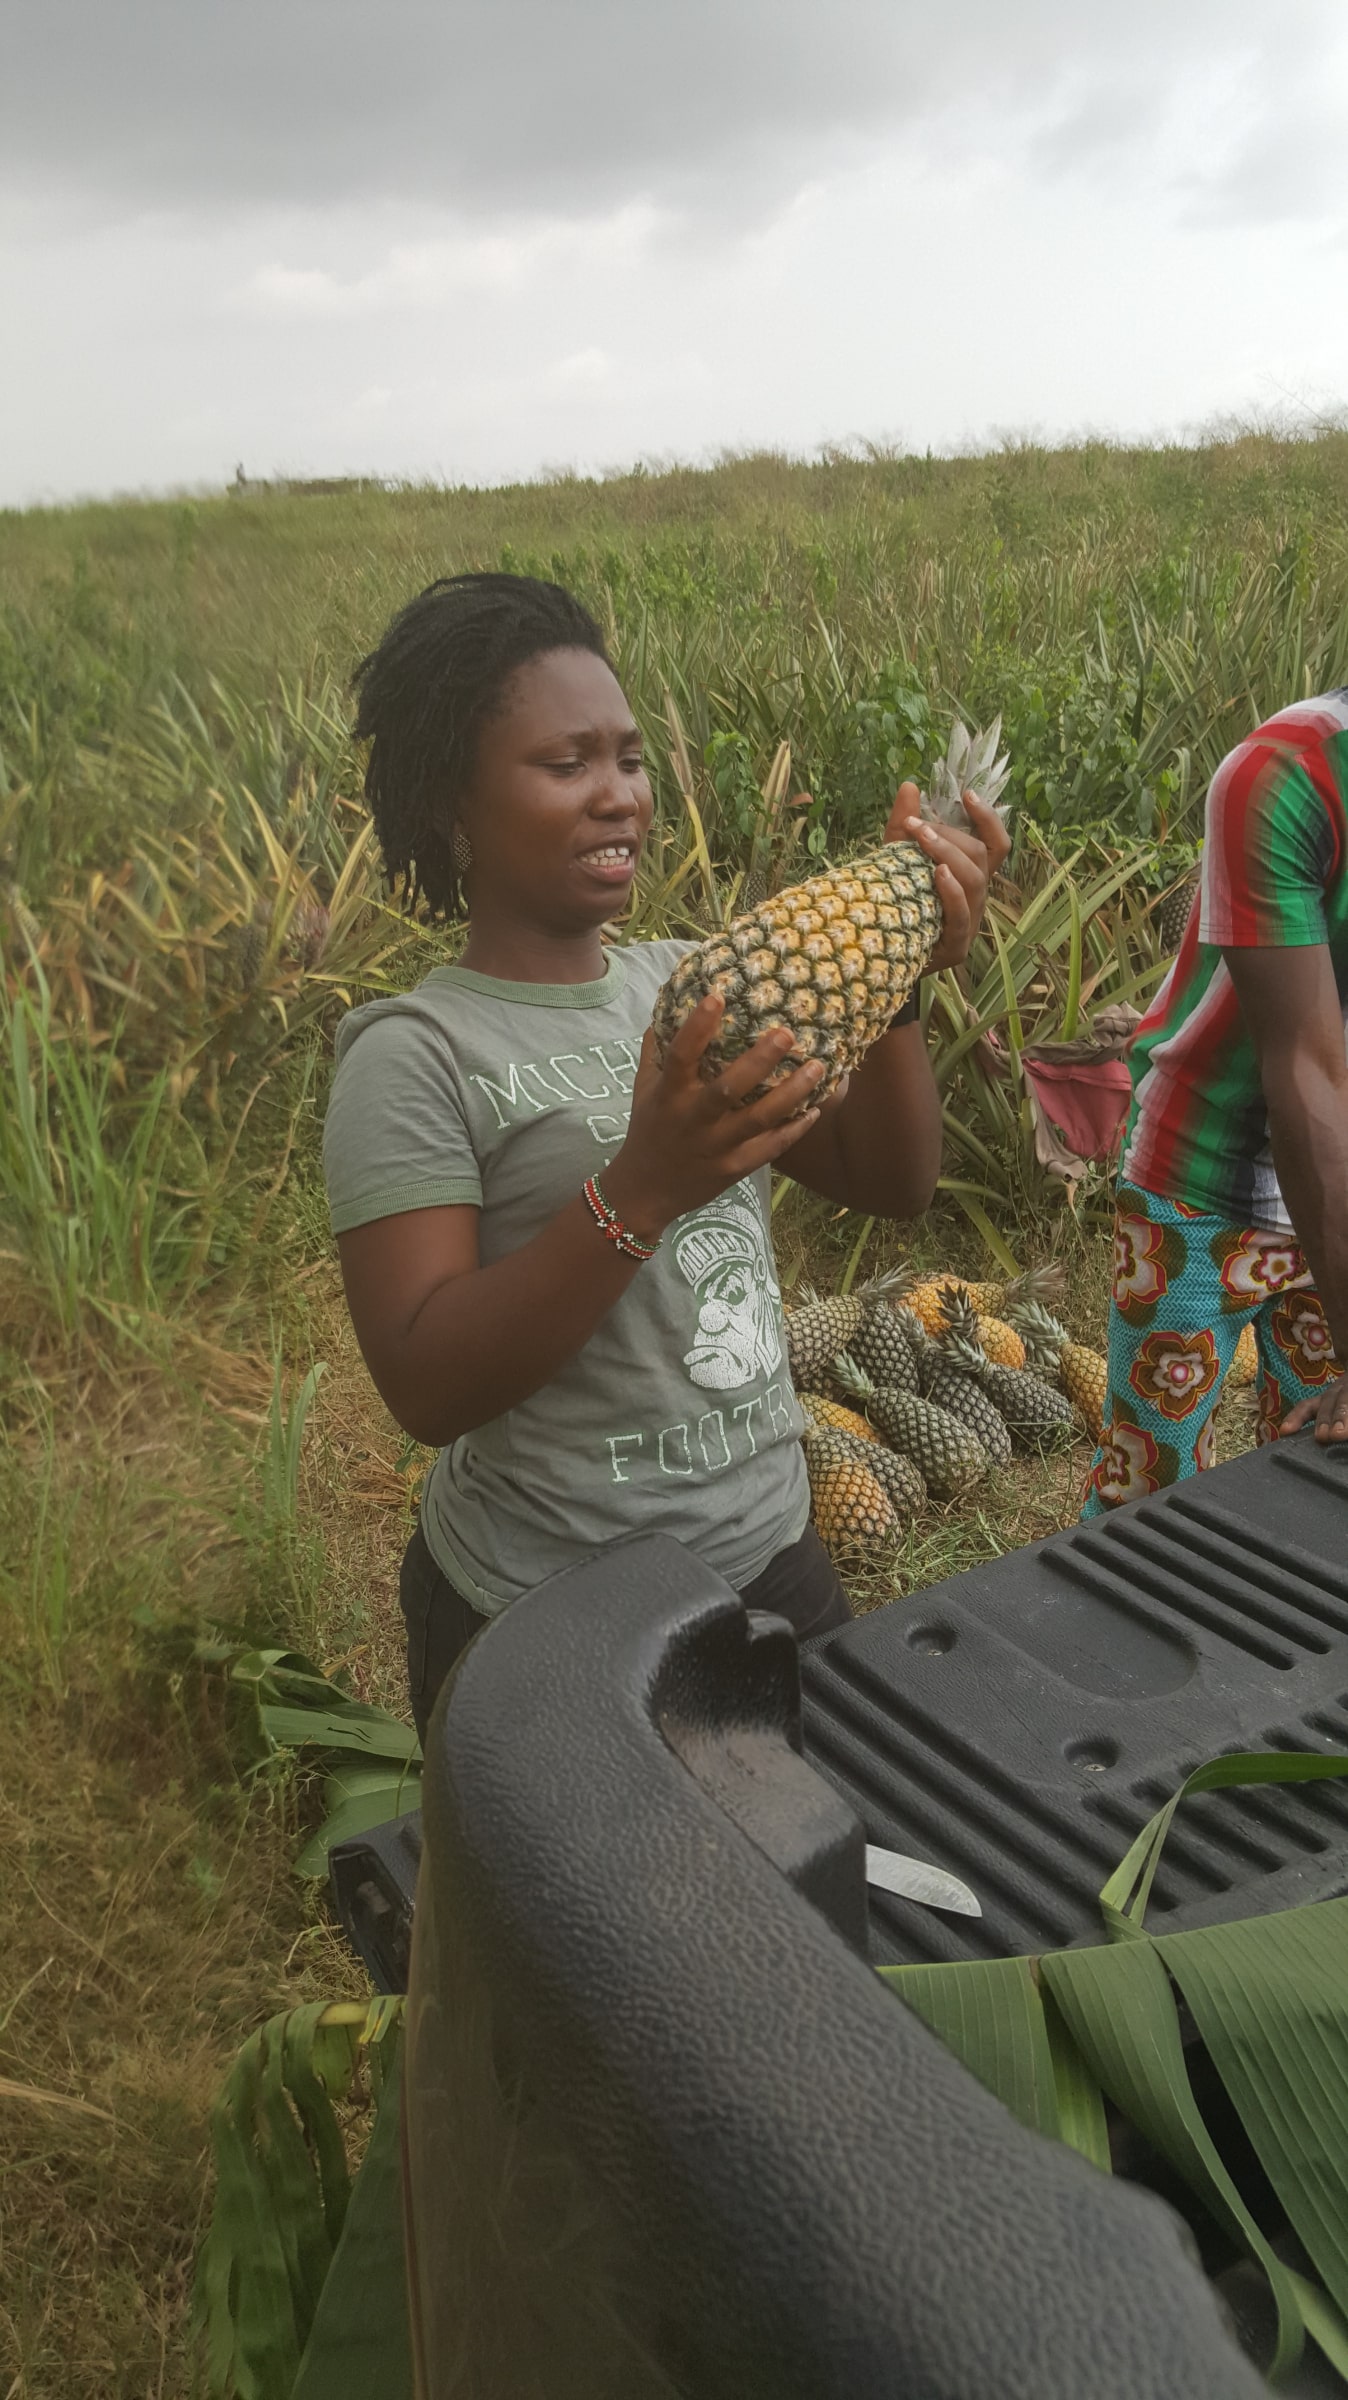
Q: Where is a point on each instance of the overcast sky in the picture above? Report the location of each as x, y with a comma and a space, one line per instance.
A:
475, 239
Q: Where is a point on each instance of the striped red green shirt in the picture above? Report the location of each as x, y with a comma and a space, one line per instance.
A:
1275, 876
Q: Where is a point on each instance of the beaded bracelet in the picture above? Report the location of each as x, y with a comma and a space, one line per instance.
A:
612, 1227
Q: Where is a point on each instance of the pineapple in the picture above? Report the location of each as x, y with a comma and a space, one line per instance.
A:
996, 1304
846, 1500
883, 1346
897, 1475
1171, 915
246, 947
1000, 1341
829, 1416
949, 1454
900, 1476
1036, 1416
1244, 1367
927, 1302
1082, 1373
924, 1296
816, 1333
833, 959
755, 887
948, 1387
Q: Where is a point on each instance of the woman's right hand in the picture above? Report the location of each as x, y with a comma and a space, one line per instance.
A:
691, 1136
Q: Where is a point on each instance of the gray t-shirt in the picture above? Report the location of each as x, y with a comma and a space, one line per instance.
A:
678, 1415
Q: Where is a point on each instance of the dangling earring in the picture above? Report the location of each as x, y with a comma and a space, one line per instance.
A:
462, 851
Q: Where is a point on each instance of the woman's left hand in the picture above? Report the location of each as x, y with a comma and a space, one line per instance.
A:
965, 864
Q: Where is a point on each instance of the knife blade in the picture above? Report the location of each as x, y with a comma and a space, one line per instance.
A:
916, 1879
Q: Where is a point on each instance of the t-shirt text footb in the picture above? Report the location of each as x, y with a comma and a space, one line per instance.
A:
678, 1416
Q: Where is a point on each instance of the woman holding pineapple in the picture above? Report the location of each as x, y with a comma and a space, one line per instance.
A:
556, 1248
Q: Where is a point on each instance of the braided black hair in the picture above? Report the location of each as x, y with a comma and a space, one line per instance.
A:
424, 694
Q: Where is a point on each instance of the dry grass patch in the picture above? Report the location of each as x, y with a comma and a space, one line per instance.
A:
148, 1922
360, 1480
150, 1918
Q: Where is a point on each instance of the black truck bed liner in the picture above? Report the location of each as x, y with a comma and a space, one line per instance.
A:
1020, 1723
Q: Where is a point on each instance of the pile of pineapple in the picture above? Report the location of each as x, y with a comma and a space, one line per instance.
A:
918, 1386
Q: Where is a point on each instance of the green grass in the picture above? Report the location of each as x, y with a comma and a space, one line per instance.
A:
188, 901
1128, 611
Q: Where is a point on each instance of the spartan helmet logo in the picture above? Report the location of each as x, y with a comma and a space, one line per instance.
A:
723, 1251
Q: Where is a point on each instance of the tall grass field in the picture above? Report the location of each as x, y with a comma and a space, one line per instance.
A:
190, 1454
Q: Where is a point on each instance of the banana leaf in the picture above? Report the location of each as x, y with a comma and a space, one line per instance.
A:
1059, 2036
371, 1761
376, 1803
987, 2011
282, 2190
360, 2340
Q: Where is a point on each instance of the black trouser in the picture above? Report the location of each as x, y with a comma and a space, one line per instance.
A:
800, 1584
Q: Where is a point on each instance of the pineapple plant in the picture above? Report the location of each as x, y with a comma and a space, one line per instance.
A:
1082, 1373
951, 1457
1244, 1367
833, 959
829, 1416
847, 1501
1036, 1416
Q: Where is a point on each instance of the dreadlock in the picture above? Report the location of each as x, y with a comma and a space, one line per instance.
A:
424, 694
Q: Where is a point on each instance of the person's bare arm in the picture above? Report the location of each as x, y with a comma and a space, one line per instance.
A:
878, 1147
452, 1344
1291, 1007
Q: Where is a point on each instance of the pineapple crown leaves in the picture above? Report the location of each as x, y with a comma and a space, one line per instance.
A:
914, 1328
878, 1289
889, 1285
854, 1378
884, 1295
1044, 1335
909, 1278
1036, 1284
923, 1279
970, 765
960, 1339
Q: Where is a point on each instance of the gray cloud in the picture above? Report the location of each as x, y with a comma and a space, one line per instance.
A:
457, 241
533, 105
1285, 169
